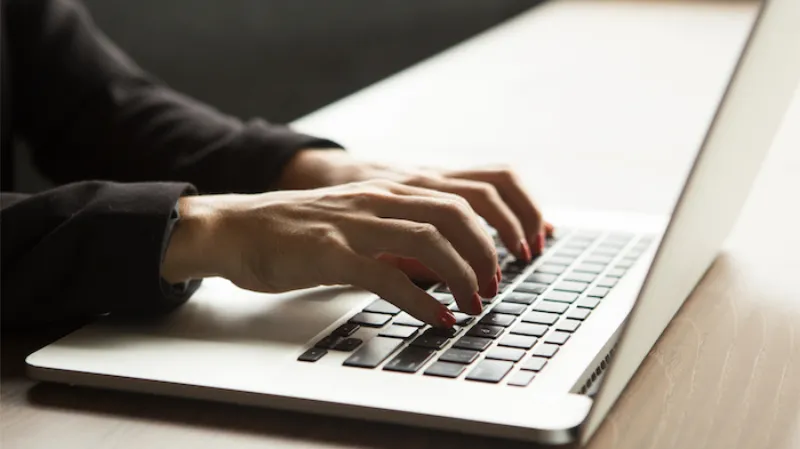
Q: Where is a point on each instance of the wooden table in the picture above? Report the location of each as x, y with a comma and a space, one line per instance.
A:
614, 94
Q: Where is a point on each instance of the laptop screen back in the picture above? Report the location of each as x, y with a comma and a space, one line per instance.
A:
736, 143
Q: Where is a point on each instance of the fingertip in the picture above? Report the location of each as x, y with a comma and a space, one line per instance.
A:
445, 318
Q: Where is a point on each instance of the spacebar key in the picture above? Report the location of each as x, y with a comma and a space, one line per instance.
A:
374, 352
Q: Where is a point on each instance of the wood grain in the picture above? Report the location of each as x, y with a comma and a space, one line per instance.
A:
725, 374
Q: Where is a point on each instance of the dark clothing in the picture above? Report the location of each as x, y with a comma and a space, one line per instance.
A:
123, 147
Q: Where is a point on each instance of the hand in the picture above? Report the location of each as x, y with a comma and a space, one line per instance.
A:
281, 241
496, 194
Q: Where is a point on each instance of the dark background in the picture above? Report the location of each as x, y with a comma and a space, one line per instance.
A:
282, 59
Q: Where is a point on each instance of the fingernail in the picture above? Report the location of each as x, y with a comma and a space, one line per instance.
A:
540, 242
476, 304
499, 274
495, 287
446, 318
525, 249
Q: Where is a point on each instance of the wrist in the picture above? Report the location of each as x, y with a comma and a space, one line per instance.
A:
191, 253
315, 168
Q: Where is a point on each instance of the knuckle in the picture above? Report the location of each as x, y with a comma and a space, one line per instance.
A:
426, 232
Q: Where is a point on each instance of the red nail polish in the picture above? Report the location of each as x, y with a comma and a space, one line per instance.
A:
540, 242
446, 318
525, 249
495, 287
476, 304
499, 274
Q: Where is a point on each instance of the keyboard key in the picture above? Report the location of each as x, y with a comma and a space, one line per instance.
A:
580, 277
510, 354
623, 237
607, 282
312, 355
370, 319
610, 251
598, 292
588, 303
498, 319
456, 355
578, 314
534, 364
545, 350
514, 268
462, 319
600, 259
328, 342
410, 359
568, 325
590, 268
541, 278
441, 288
626, 263
473, 343
530, 329
492, 371
540, 318
520, 298
521, 378
509, 308
444, 369
373, 352
441, 332
570, 286
551, 269
404, 319
517, 341
557, 296
347, 344
346, 329
548, 306
569, 252
530, 287
577, 244
382, 306
399, 332
444, 299
557, 338
616, 272
560, 260
482, 330
430, 341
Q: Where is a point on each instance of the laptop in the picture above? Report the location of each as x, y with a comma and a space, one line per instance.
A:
544, 362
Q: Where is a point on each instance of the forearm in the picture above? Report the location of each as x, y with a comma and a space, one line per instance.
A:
87, 249
89, 112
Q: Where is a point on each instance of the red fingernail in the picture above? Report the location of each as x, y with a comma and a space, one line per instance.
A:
495, 287
540, 242
499, 274
446, 318
525, 249
476, 304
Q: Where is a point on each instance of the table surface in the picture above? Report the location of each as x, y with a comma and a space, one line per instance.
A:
612, 97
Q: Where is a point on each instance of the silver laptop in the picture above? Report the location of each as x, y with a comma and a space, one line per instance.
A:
544, 362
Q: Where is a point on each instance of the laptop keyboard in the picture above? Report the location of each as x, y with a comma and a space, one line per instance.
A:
540, 306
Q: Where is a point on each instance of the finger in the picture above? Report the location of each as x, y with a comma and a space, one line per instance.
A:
392, 285
455, 219
549, 229
413, 268
514, 194
487, 202
423, 242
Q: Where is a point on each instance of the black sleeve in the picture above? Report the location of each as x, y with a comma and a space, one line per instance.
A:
89, 112
86, 249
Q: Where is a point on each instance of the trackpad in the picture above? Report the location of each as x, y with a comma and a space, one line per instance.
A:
221, 312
